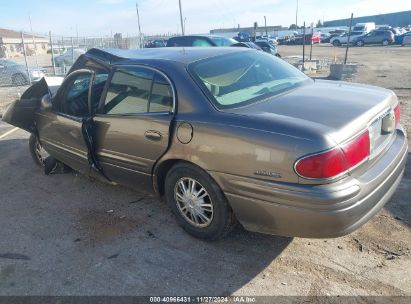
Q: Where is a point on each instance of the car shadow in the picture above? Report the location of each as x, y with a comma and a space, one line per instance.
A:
111, 240
226, 266
114, 241
399, 205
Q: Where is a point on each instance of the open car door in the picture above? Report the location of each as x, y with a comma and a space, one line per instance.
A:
21, 113
66, 130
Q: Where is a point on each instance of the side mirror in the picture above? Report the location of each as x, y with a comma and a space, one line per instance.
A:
46, 103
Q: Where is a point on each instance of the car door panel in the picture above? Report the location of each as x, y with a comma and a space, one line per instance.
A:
61, 136
374, 38
61, 128
126, 153
132, 124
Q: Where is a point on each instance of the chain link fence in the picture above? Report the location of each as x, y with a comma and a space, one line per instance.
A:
27, 58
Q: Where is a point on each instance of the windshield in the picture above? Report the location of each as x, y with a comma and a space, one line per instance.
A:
238, 79
222, 41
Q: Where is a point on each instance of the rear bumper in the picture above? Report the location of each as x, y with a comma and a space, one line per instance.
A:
319, 211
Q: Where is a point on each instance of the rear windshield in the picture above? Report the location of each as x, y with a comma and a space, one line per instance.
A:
238, 79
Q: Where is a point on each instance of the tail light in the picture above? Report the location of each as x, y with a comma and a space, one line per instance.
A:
336, 161
397, 112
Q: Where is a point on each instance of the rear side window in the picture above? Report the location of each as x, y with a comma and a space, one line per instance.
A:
161, 98
180, 41
201, 42
135, 90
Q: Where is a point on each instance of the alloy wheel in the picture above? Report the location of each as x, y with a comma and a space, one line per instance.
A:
193, 202
40, 152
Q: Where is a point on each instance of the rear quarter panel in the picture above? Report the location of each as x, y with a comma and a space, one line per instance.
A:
229, 144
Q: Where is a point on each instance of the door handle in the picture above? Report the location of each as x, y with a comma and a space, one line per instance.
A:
153, 135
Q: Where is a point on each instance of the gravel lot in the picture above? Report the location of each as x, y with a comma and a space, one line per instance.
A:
67, 235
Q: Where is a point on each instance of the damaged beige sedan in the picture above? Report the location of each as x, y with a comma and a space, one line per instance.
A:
225, 135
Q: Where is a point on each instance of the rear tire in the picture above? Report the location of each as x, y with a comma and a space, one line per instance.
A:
198, 203
336, 43
360, 43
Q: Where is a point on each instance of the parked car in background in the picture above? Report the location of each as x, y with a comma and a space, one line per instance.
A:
156, 43
399, 38
270, 40
247, 44
384, 37
268, 47
224, 135
325, 37
395, 31
364, 27
14, 74
316, 38
407, 39
200, 40
343, 39
68, 57
242, 37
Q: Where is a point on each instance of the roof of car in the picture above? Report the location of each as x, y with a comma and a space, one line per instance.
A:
203, 35
183, 55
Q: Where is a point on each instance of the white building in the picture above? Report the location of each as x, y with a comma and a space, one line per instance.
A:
11, 44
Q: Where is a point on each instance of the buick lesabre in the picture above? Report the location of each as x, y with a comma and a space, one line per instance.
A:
225, 135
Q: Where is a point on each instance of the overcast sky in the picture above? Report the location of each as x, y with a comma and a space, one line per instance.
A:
105, 17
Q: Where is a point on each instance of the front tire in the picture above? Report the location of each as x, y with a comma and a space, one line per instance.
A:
336, 43
198, 203
385, 42
37, 151
360, 43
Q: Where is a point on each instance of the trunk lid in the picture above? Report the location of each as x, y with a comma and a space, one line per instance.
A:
341, 110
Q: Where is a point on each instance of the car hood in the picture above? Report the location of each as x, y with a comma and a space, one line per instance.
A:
339, 109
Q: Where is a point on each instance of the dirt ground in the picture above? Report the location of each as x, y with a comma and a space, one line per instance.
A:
66, 235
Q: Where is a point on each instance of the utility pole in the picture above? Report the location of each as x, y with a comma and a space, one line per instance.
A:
296, 16
52, 54
25, 56
181, 18
265, 24
303, 45
348, 41
312, 34
78, 44
34, 43
139, 28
